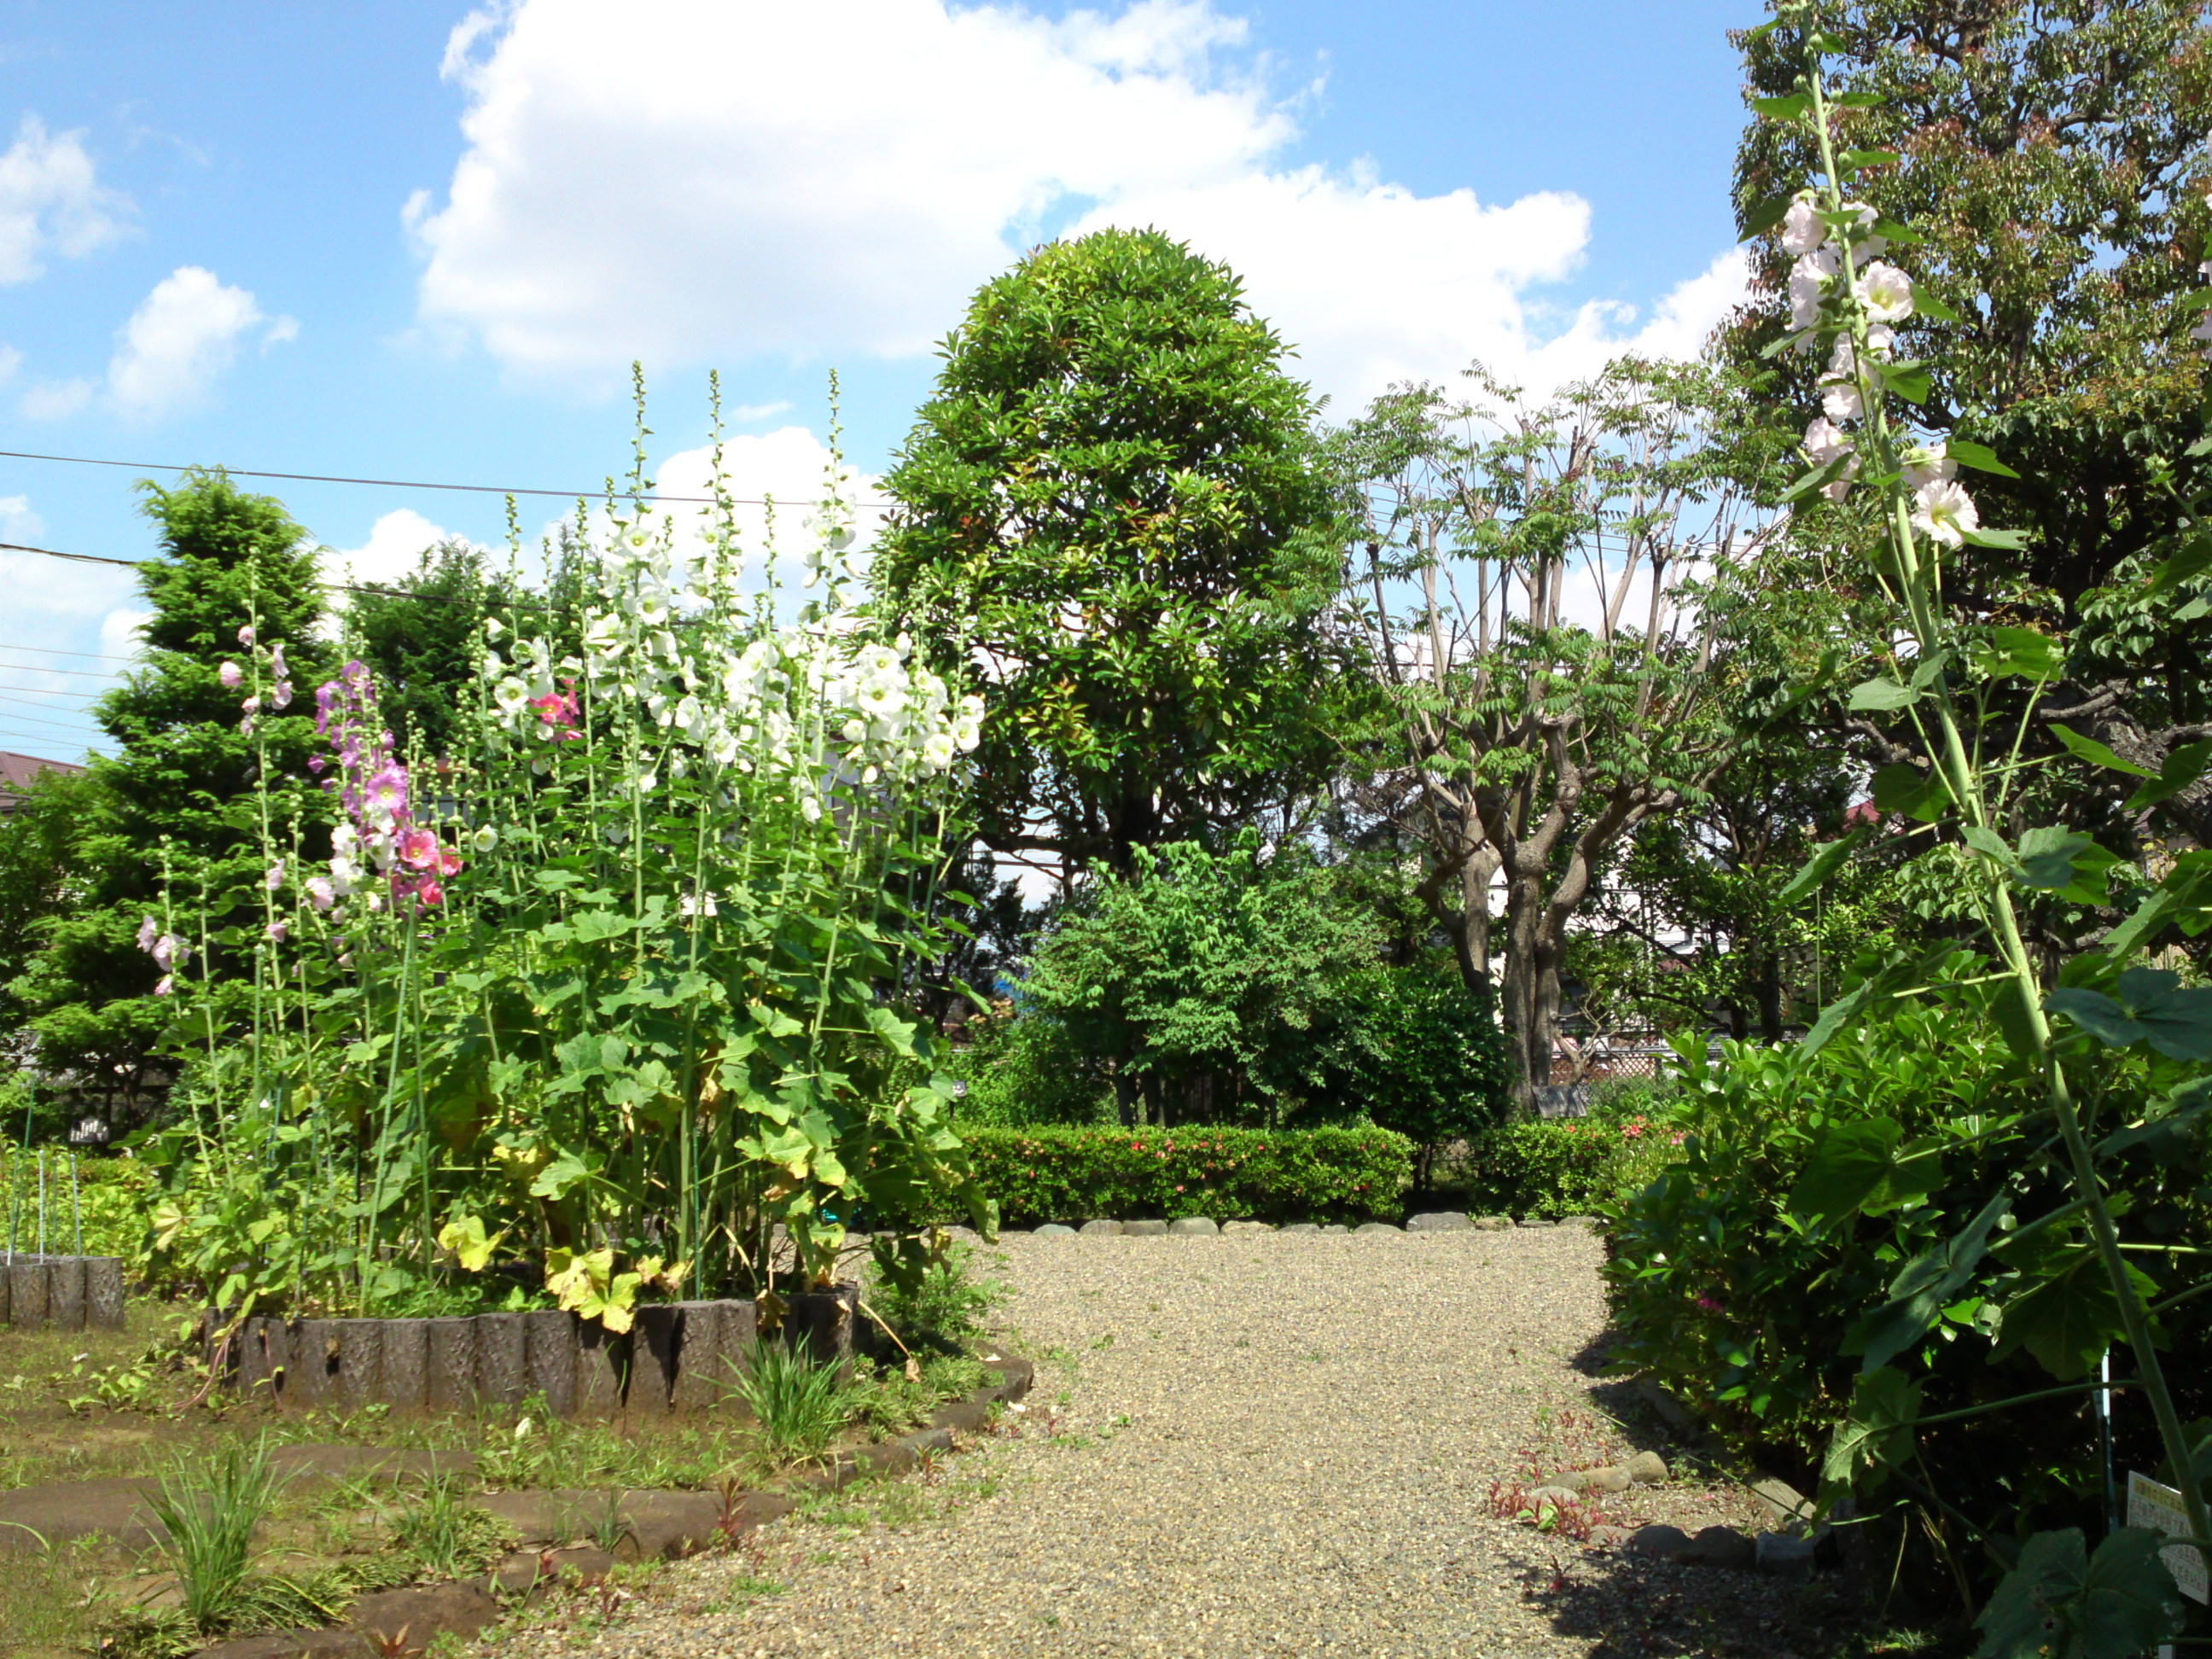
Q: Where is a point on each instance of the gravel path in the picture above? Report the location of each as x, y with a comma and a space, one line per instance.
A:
1238, 1446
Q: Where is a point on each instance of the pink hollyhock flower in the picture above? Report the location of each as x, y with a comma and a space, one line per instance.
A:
387, 791
418, 848
281, 696
273, 877
231, 675
429, 892
251, 705
168, 983
245, 634
149, 930
320, 893
449, 862
279, 930
276, 659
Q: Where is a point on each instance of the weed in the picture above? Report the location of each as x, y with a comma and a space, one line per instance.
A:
943, 1308
800, 1403
610, 1526
450, 1537
210, 1514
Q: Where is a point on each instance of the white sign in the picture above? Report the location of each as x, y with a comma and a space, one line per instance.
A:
2159, 1507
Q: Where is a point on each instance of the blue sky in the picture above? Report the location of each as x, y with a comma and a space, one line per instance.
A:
331, 240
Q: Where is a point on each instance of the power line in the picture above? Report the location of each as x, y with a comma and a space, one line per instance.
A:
32, 720
133, 564
401, 483
51, 691
40, 651
103, 675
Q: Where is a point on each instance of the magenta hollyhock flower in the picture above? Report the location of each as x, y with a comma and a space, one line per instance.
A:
428, 891
449, 861
387, 790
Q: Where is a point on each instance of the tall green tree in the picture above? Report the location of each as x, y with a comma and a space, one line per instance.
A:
38, 880
421, 636
179, 788
1110, 515
2053, 159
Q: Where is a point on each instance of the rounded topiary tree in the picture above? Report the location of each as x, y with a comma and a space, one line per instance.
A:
1109, 512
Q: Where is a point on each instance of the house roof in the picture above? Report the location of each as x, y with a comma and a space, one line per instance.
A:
16, 772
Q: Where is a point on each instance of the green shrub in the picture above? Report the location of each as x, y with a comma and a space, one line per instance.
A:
1735, 1286
114, 1201
1556, 1166
1071, 1174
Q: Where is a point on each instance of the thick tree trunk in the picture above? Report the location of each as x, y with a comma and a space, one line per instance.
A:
1529, 1031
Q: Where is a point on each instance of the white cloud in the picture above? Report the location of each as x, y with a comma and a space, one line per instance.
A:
40, 585
55, 400
51, 197
396, 543
789, 466
715, 179
119, 632
179, 341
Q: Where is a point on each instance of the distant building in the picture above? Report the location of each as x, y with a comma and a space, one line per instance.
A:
16, 772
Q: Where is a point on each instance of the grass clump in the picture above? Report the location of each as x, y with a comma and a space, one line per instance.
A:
445, 1535
211, 1511
801, 1403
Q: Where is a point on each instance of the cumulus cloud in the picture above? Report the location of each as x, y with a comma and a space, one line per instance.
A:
396, 543
717, 180
51, 197
179, 341
119, 632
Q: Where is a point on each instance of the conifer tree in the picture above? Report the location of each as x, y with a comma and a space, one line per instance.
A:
234, 572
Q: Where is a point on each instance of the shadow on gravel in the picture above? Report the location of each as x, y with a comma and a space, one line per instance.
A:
1630, 1608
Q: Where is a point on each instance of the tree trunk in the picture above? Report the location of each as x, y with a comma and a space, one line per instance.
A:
1530, 1033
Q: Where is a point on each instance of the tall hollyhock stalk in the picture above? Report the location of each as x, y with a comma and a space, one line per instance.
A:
1848, 302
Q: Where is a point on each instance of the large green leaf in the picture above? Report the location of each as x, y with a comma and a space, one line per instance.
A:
1877, 1433
2181, 767
2149, 1006
1923, 1288
2067, 1317
1826, 859
2020, 653
1860, 1166
2098, 754
2060, 1603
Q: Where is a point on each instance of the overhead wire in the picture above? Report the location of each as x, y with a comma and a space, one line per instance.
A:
407, 483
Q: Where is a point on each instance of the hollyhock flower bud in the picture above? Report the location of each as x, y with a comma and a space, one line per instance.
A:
231, 675
279, 930
1944, 512
165, 985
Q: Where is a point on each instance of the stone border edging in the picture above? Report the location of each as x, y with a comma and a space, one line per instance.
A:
659, 1526
61, 1292
1198, 1227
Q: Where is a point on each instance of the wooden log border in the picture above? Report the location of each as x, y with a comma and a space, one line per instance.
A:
679, 1357
61, 1292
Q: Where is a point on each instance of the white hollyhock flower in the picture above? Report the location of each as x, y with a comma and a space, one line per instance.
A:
1863, 218
938, 749
485, 839
1944, 512
1931, 465
1841, 401
1801, 229
1825, 441
1807, 279
1837, 487
1886, 292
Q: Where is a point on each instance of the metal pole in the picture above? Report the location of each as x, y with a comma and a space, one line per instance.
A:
2105, 1439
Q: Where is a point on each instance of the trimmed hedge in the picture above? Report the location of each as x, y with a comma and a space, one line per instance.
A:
1258, 1175
1553, 1167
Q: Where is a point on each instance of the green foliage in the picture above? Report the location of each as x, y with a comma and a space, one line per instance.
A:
420, 636
209, 1512
113, 1203
799, 1402
179, 793
445, 1534
37, 877
1854, 1225
941, 1309
1554, 1167
1025, 1069
1198, 981
1285, 1175
1412, 1049
2063, 1602
1112, 500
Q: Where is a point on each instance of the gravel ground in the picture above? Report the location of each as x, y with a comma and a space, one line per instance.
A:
1240, 1446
